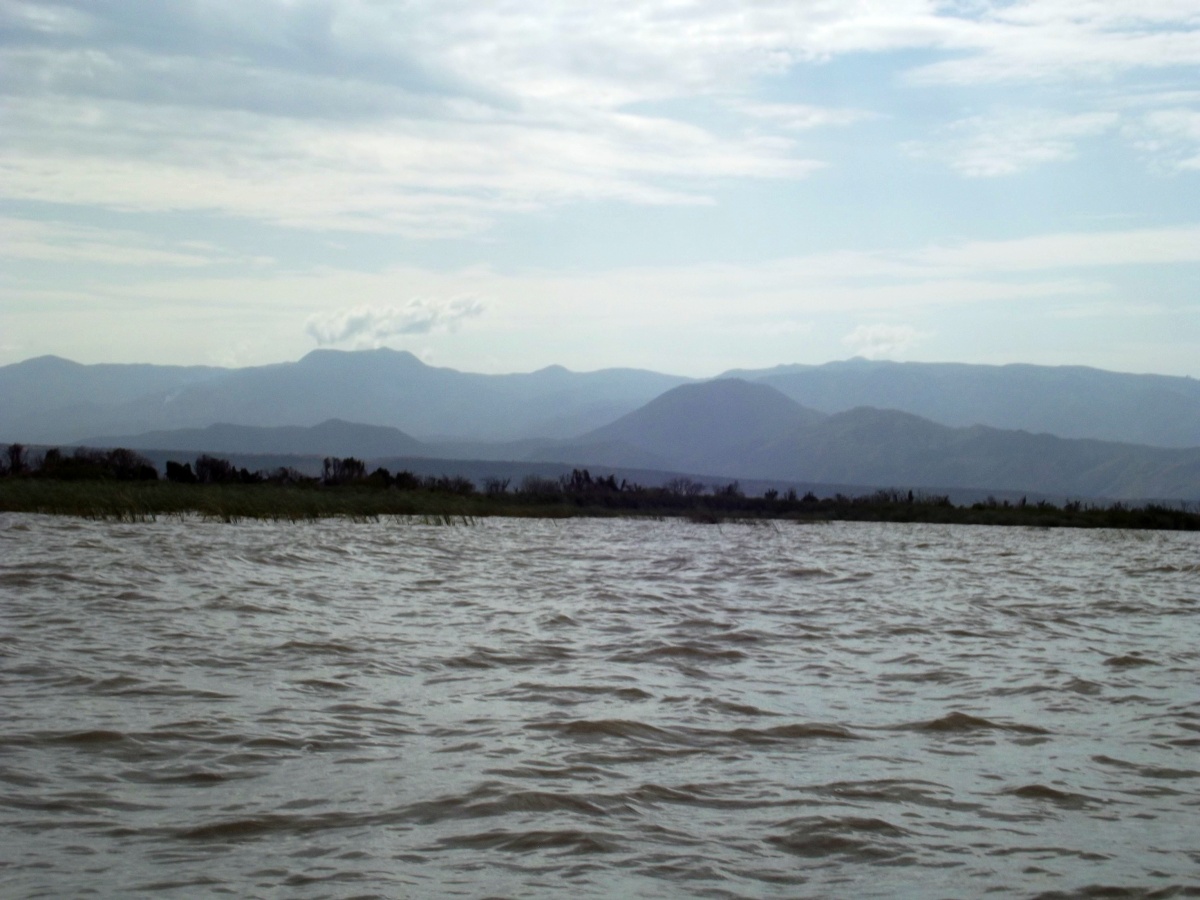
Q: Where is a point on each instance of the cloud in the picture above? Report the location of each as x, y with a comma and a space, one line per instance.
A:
430, 178
1054, 40
801, 117
437, 120
360, 117
1069, 250
1012, 142
1171, 137
50, 241
373, 325
880, 340
696, 319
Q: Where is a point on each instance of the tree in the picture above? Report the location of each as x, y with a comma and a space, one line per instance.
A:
733, 489
16, 458
181, 473
685, 487
495, 486
211, 470
342, 471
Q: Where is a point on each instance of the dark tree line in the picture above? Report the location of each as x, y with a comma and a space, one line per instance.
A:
82, 464
584, 492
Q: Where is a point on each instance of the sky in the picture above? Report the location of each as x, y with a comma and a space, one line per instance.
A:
687, 186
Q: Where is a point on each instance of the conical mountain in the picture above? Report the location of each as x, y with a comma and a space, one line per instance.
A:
698, 428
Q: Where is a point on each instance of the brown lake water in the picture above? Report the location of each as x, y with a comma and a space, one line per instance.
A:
596, 709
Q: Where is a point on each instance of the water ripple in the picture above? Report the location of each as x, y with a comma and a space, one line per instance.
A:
597, 708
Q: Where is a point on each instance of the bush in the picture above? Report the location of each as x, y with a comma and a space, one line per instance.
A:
343, 471
180, 473
211, 470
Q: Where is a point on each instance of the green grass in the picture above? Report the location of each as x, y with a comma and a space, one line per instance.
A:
141, 501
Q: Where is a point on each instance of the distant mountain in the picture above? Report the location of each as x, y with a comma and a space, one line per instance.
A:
887, 447
49, 399
739, 429
1069, 401
855, 422
332, 437
377, 387
704, 428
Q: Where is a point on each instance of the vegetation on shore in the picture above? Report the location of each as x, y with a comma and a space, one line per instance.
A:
120, 484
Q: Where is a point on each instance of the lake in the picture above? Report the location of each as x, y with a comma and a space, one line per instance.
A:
599, 708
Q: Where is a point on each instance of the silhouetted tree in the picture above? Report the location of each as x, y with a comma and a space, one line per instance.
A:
15, 459
685, 487
286, 475
493, 487
540, 486
343, 471
126, 465
406, 481
52, 461
733, 489
180, 473
380, 478
578, 481
211, 470
449, 484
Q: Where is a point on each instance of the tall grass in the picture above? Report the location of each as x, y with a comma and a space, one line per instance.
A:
227, 503
142, 500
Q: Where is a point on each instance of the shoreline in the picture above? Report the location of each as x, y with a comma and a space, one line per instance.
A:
146, 500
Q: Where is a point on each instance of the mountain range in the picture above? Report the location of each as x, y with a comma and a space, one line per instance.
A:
1049, 430
52, 400
772, 437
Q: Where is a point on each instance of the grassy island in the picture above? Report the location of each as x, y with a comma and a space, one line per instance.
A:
121, 485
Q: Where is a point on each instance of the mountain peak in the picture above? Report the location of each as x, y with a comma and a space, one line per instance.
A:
330, 355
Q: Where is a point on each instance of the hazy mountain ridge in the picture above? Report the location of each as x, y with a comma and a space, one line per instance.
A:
704, 428
49, 399
341, 403
333, 437
881, 447
378, 387
776, 441
1069, 401
52, 399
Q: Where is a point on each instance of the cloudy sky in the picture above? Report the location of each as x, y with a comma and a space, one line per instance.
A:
682, 185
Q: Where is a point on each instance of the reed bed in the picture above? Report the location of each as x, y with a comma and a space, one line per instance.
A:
144, 500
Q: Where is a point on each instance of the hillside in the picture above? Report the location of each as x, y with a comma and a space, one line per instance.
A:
388, 404
1070, 401
67, 403
52, 400
704, 428
742, 430
332, 437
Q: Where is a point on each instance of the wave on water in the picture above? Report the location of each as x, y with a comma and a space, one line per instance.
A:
595, 708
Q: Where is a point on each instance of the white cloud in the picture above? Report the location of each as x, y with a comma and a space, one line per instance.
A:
1072, 250
49, 241
373, 325
694, 319
1171, 137
799, 116
1040, 40
789, 289
427, 178
882, 340
434, 120
438, 120
1006, 144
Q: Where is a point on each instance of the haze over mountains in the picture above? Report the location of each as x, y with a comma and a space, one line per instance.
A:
377, 387
772, 437
856, 422
1070, 401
